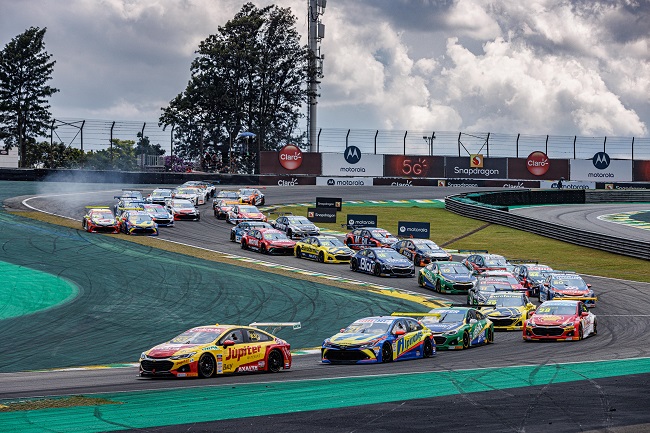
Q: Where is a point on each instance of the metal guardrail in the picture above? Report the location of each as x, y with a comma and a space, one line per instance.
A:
634, 248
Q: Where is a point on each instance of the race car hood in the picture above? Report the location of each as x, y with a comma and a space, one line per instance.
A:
159, 214
282, 243
304, 226
252, 215
166, 350
103, 221
459, 278
144, 224
550, 319
503, 312
340, 250
436, 253
442, 327
572, 291
184, 210
356, 339
397, 261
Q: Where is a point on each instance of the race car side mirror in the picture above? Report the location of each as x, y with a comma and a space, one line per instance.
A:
399, 332
228, 343
588, 285
584, 314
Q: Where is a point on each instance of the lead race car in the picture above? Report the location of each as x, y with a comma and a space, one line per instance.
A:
206, 351
561, 320
100, 219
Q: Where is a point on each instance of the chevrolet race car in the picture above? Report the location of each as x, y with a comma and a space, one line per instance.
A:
242, 212
458, 327
183, 210
508, 310
206, 351
159, 195
484, 287
194, 195
379, 339
295, 226
252, 196
421, 251
159, 214
100, 219
447, 277
267, 241
504, 275
382, 262
137, 222
561, 284
483, 261
369, 237
560, 320
325, 249
238, 231
531, 276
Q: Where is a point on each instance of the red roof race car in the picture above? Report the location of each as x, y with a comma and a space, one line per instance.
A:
363, 237
560, 320
270, 241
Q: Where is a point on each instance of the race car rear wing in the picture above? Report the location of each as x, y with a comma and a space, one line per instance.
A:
576, 298
403, 314
276, 325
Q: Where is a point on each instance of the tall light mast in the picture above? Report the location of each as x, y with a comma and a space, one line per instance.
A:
316, 8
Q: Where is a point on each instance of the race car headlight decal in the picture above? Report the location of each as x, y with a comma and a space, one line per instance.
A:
327, 343
183, 356
143, 355
451, 332
369, 344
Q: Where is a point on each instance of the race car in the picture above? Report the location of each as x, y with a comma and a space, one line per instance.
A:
325, 249
269, 241
159, 195
458, 327
382, 262
421, 251
531, 276
562, 284
363, 237
192, 194
447, 277
296, 227
504, 275
242, 212
379, 339
127, 203
231, 196
560, 320
221, 208
206, 190
133, 194
183, 210
137, 222
206, 351
159, 214
100, 219
252, 196
484, 286
483, 261
508, 310
238, 231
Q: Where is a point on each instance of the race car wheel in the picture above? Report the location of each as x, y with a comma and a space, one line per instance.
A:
275, 361
206, 365
321, 257
417, 261
420, 280
263, 201
263, 249
386, 353
376, 271
232, 237
438, 286
243, 245
289, 234
83, 224
427, 350
348, 242
580, 332
595, 328
466, 340
354, 265
490, 336
298, 252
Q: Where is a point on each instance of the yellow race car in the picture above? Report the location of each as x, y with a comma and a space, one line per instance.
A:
206, 351
507, 310
325, 249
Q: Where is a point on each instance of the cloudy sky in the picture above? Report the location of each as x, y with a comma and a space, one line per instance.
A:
555, 67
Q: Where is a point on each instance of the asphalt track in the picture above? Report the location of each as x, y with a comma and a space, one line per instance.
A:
623, 330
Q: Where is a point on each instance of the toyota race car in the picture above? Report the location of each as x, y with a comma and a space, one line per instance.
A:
446, 277
325, 249
210, 350
252, 196
159, 214
421, 251
267, 241
183, 210
242, 212
369, 237
100, 219
508, 310
560, 320
238, 231
159, 196
458, 327
137, 222
382, 262
296, 227
194, 195
378, 339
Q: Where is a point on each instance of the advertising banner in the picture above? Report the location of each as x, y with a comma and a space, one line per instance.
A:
321, 215
352, 163
400, 181
294, 162
344, 181
359, 220
329, 202
622, 185
641, 171
601, 168
459, 168
511, 183
538, 167
568, 184
414, 166
420, 230
287, 181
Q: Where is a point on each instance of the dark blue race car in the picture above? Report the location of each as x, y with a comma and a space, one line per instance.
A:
385, 262
238, 231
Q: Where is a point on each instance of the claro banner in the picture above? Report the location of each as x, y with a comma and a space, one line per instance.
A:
641, 171
414, 166
459, 168
352, 162
537, 167
297, 162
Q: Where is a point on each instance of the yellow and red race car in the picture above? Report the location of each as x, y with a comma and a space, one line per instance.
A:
206, 351
100, 219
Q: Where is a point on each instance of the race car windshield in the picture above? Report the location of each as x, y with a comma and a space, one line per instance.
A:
247, 191
446, 316
299, 220
193, 337
231, 195
505, 301
161, 194
389, 254
453, 269
332, 243
103, 215
556, 310
248, 209
493, 287
154, 208
139, 219
275, 236
569, 282
181, 205
185, 191
367, 328
491, 263
426, 245
380, 234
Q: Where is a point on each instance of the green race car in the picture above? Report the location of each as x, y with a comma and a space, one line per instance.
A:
459, 327
446, 277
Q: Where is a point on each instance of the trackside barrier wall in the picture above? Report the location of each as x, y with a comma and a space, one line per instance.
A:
463, 205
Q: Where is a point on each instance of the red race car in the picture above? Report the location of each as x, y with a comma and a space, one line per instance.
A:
364, 237
242, 212
560, 320
270, 241
100, 219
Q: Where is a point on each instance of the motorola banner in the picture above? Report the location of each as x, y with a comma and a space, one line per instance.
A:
344, 181
356, 220
601, 168
406, 229
568, 184
352, 163
329, 202
321, 215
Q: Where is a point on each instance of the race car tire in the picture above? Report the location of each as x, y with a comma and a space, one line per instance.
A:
289, 234
490, 336
216, 214
263, 201
243, 245
438, 286
274, 362
466, 340
595, 331
298, 253
263, 249
232, 237
417, 261
198, 217
376, 271
354, 265
581, 333
386, 353
206, 366
348, 242
321, 257
420, 280
427, 350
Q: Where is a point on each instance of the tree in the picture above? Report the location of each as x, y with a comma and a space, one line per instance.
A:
25, 68
53, 155
249, 76
144, 146
120, 157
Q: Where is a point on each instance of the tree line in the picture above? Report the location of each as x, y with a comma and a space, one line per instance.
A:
249, 77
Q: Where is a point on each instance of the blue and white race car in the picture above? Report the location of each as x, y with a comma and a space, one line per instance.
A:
382, 262
238, 231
